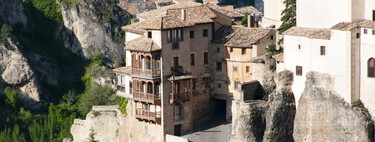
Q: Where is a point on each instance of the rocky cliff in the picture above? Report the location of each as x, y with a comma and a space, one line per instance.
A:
11, 11
323, 115
94, 27
16, 72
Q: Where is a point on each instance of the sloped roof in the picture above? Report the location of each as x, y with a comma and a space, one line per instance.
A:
135, 28
347, 26
225, 11
132, 8
309, 33
238, 36
123, 70
162, 10
249, 9
142, 44
279, 57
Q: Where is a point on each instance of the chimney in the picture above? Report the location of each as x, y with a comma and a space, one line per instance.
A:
251, 23
183, 14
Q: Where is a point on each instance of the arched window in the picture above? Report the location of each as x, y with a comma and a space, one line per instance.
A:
371, 67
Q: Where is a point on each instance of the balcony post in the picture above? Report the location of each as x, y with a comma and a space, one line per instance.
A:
148, 109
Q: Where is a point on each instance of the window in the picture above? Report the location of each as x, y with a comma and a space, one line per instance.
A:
205, 56
271, 37
177, 111
373, 15
373, 32
175, 35
206, 83
218, 66
371, 67
175, 63
231, 50
322, 50
191, 34
236, 85
218, 50
358, 35
192, 59
299, 70
194, 84
365, 31
299, 46
234, 68
247, 69
205, 33
219, 85
243, 51
130, 87
149, 34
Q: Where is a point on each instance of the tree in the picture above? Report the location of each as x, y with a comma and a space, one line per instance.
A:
244, 19
288, 18
12, 97
96, 95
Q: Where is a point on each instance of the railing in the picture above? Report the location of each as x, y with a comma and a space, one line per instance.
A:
146, 72
176, 70
147, 97
179, 97
150, 116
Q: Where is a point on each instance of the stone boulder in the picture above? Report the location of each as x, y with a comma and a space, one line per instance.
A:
323, 115
94, 27
281, 111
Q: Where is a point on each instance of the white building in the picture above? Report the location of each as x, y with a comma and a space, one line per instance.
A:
338, 39
272, 13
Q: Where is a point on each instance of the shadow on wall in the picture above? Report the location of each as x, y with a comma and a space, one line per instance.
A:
252, 90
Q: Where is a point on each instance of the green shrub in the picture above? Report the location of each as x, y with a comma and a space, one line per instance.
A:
96, 95
12, 97
69, 3
244, 19
122, 107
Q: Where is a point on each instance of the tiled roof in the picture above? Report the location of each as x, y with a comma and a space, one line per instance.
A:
142, 44
135, 28
210, 1
225, 11
279, 57
249, 9
309, 33
123, 70
238, 36
132, 8
346, 26
162, 11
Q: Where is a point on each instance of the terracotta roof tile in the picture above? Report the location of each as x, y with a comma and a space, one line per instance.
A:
135, 27
279, 57
142, 44
309, 33
346, 26
238, 36
225, 11
249, 9
162, 11
123, 70
132, 8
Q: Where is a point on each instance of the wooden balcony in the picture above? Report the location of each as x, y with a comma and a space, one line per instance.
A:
179, 97
145, 72
145, 115
147, 97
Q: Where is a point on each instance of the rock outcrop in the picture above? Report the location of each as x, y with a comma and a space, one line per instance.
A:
323, 115
16, 72
11, 11
281, 112
94, 27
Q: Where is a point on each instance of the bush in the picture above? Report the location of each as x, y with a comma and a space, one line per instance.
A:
96, 95
122, 107
12, 97
244, 19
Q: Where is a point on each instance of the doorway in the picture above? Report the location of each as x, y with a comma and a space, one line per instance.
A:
177, 130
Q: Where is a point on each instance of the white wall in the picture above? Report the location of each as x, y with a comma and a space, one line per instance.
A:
369, 7
130, 36
367, 91
272, 12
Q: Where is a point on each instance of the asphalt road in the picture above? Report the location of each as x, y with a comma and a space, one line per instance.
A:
218, 133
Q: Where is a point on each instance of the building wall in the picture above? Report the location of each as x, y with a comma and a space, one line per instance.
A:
323, 13
217, 54
367, 90
369, 7
130, 36
272, 12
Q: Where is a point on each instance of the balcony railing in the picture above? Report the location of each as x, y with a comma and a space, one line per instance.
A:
148, 116
179, 97
146, 72
147, 97
177, 70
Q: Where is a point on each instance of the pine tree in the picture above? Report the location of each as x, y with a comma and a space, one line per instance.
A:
288, 18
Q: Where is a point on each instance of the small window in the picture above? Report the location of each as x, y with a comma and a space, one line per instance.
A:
299, 46
219, 85
205, 56
180, 35
194, 87
149, 34
234, 68
175, 62
373, 15
205, 33
322, 50
206, 83
371, 67
192, 59
271, 37
365, 31
177, 111
191, 34
247, 69
218, 50
373, 32
236, 85
218, 66
231, 50
299, 70
243, 51
358, 35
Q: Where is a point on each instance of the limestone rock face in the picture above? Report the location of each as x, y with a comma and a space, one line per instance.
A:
249, 126
281, 112
323, 115
94, 27
16, 72
11, 11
